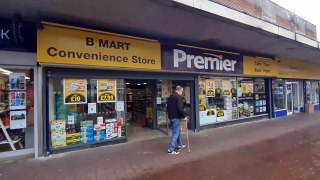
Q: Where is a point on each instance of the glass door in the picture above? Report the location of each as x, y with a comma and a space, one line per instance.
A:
289, 98
295, 97
164, 90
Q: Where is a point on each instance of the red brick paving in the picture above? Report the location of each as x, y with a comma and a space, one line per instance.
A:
287, 148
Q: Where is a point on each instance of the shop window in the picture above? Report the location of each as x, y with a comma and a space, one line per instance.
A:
218, 99
84, 111
312, 92
278, 94
252, 98
16, 109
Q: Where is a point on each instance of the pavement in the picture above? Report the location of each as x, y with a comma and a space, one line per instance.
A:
283, 148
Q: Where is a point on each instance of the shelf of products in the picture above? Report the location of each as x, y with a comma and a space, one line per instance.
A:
139, 99
129, 95
149, 105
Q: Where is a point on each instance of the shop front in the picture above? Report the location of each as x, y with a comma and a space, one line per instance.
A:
312, 95
296, 88
231, 87
103, 88
18, 89
288, 97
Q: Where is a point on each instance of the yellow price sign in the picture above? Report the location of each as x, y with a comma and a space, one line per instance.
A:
106, 97
75, 91
106, 90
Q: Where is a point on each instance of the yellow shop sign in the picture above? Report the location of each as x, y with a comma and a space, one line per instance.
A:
60, 44
260, 67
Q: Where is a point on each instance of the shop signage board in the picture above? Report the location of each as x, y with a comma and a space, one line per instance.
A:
194, 59
106, 90
75, 46
260, 67
17, 35
75, 91
290, 68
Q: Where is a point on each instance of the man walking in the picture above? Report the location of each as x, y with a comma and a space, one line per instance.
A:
175, 114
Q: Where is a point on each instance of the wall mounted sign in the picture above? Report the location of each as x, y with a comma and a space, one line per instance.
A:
59, 44
17, 35
260, 67
181, 58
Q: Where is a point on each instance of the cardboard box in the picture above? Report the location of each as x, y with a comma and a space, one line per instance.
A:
309, 108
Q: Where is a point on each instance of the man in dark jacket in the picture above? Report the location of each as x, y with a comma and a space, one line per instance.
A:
175, 114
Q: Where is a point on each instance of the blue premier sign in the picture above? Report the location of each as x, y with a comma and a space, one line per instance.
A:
193, 59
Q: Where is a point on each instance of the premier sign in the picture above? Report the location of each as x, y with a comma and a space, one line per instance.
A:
198, 60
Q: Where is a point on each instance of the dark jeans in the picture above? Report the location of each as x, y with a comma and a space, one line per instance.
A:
176, 134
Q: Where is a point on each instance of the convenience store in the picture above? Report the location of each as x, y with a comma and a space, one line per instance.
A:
97, 95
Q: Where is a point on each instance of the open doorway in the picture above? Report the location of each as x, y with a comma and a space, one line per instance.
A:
146, 107
140, 100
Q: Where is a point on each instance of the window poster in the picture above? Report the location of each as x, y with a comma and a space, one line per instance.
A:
226, 87
208, 117
75, 91
17, 100
18, 119
210, 88
58, 133
17, 81
166, 88
107, 90
247, 89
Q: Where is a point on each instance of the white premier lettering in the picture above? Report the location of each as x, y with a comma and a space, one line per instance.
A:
200, 62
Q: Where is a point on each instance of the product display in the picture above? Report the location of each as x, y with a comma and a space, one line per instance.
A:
87, 122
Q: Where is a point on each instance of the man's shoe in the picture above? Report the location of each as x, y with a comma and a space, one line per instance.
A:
172, 152
181, 147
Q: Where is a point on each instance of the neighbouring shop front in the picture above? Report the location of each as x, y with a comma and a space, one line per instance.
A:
103, 88
294, 91
18, 89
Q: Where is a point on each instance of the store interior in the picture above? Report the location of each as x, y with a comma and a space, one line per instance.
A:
16, 109
143, 98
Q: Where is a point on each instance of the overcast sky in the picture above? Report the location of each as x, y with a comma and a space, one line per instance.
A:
307, 9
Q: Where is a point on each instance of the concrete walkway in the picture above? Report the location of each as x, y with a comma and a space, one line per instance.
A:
141, 160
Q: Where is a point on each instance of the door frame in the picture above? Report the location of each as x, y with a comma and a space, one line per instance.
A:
292, 97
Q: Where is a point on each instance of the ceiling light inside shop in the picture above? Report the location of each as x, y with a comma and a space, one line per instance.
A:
4, 71
144, 83
27, 77
139, 84
127, 83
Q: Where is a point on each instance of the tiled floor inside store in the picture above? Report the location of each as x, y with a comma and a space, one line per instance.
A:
135, 132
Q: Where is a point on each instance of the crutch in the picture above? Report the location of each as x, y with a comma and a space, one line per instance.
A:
186, 128
188, 138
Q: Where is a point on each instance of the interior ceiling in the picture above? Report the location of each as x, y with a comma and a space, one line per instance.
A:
161, 19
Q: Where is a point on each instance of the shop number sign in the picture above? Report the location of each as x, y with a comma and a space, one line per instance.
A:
106, 90
75, 91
